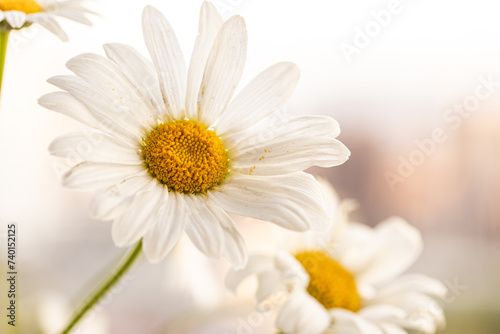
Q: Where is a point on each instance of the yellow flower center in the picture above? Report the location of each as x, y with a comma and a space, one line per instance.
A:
27, 6
329, 283
185, 156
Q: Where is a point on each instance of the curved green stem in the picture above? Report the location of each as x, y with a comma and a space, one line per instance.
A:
106, 285
4, 38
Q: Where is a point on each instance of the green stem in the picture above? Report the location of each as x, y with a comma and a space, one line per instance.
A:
106, 285
4, 38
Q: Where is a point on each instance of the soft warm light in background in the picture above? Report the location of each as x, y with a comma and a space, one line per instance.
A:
429, 57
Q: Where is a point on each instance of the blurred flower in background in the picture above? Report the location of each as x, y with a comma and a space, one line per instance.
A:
18, 14
349, 281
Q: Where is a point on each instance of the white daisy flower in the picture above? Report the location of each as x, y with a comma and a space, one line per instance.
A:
18, 14
348, 282
179, 150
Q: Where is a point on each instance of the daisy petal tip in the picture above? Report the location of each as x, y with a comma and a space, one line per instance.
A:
237, 21
149, 11
240, 263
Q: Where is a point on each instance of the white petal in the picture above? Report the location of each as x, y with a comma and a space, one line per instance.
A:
96, 147
74, 14
299, 143
256, 264
394, 247
48, 22
302, 314
263, 95
94, 175
382, 313
135, 222
209, 24
223, 70
392, 329
66, 104
140, 71
168, 228
293, 201
109, 203
15, 18
424, 313
168, 59
351, 247
235, 250
358, 325
292, 272
213, 232
414, 282
112, 119
270, 283
106, 77
203, 228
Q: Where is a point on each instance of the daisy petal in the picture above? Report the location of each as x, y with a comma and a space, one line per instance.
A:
66, 104
103, 109
15, 18
139, 71
293, 201
425, 314
209, 25
135, 222
105, 76
168, 228
203, 227
223, 70
394, 247
256, 264
168, 59
95, 175
382, 313
109, 203
414, 282
392, 329
346, 319
263, 95
297, 144
235, 250
74, 14
302, 314
94, 146
270, 283
49, 23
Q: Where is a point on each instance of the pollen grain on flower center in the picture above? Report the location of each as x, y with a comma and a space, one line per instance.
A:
185, 156
329, 282
26, 6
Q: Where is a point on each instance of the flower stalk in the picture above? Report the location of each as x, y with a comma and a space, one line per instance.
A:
4, 38
106, 285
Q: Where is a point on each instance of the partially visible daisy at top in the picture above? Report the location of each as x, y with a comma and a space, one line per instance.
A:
180, 150
18, 14
347, 281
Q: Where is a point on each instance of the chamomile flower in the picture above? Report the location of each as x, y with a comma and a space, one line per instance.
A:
178, 150
348, 282
17, 14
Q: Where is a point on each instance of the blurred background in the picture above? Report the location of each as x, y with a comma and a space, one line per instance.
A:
415, 86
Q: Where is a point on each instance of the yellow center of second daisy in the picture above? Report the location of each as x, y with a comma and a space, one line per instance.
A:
185, 156
329, 282
26, 6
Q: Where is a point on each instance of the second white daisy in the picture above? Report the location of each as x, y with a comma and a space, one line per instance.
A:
348, 282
